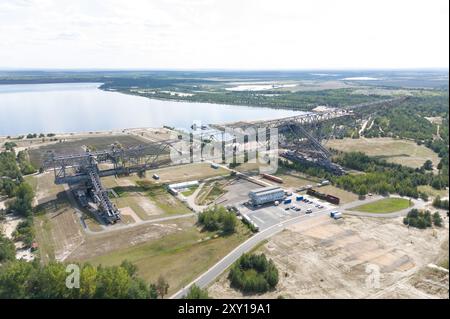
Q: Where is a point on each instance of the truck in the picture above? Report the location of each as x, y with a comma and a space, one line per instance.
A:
299, 198
287, 201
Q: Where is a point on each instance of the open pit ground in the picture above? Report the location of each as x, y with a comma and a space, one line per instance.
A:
324, 258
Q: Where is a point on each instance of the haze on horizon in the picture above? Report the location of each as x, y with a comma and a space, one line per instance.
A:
227, 35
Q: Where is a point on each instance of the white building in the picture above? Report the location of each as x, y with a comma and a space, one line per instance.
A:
266, 195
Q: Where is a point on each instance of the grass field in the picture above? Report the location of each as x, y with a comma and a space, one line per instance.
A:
398, 151
189, 191
180, 257
384, 206
57, 229
149, 201
430, 191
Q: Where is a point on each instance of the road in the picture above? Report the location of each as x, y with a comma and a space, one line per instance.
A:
207, 277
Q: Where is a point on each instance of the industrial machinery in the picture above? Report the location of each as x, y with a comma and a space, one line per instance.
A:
82, 172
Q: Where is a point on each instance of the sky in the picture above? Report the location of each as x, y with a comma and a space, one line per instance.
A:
224, 34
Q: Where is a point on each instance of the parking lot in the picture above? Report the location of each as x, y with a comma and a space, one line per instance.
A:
237, 192
270, 214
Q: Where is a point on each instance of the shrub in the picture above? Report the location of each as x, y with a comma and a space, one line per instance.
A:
253, 274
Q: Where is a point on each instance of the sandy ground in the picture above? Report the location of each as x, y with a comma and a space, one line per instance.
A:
149, 207
9, 225
323, 258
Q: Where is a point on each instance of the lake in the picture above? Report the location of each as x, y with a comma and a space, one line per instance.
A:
82, 107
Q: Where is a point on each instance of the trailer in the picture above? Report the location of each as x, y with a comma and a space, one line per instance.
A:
287, 201
329, 198
272, 178
299, 198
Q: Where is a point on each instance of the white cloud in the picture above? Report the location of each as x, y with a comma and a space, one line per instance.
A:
237, 34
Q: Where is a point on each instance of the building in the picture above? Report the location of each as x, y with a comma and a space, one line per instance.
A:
266, 195
175, 188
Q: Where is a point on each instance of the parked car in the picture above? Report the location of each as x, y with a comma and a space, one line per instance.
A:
309, 211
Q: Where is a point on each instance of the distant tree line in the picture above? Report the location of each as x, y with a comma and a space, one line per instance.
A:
33, 280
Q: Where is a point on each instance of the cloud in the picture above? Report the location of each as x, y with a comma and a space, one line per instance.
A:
247, 34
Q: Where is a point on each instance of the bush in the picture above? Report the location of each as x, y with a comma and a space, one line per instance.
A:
253, 274
437, 219
24, 232
218, 218
439, 203
418, 219
195, 292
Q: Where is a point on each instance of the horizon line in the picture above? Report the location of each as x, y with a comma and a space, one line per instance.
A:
14, 69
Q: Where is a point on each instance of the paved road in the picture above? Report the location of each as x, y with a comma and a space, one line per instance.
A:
207, 277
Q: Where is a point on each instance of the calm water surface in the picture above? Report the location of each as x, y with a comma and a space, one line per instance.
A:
82, 107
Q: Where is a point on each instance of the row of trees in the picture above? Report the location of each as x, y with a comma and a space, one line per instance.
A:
439, 203
218, 218
253, 273
383, 177
26, 280
422, 219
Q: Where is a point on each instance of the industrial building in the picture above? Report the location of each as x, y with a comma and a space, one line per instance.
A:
266, 195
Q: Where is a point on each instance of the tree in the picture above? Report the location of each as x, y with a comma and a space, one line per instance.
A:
362, 191
218, 218
437, 219
253, 273
21, 279
195, 292
23, 202
162, 286
7, 249
153, 292
129, 267
229, 223
428, 165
